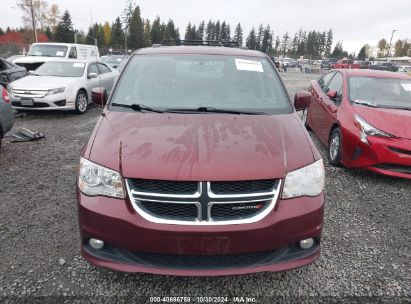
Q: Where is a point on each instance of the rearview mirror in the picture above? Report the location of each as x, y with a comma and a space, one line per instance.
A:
99, 96
302, 100
332, 94
92, 75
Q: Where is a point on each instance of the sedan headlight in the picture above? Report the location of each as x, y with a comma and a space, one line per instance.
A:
306, 181
98, 180
55, 91
367, 129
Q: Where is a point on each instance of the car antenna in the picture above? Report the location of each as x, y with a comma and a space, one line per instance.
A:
98, 69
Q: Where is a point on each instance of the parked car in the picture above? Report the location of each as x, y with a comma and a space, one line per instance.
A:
385, 66
200, 165
40, 53
289, 63
363, 64
61, 85
6, 114
123, 63
10, 72
363, 117
115, 60
345, 64
326, 63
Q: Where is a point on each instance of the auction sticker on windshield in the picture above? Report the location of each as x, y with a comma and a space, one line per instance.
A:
248, 65
78, 65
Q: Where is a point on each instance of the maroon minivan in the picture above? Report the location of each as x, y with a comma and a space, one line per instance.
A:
199, 165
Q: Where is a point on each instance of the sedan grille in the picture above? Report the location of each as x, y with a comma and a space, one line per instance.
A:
204, 203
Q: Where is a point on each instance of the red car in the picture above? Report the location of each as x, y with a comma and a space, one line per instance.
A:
346, 64
364, 118
200, 166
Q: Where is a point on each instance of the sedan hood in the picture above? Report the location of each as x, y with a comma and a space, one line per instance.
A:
35, 59
202, 147
42, 82
388, 120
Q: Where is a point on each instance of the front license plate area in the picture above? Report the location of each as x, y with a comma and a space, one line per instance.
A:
27, 102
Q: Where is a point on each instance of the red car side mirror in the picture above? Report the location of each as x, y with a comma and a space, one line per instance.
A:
332, 94
99, 96
302, 100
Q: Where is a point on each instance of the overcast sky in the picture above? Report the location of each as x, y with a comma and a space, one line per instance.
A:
355, 22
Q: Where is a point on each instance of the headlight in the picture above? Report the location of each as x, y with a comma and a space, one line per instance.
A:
306, 181
97, 180
55, 91
367, 129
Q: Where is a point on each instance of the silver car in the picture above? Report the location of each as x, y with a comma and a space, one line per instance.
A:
6, 114
62, 85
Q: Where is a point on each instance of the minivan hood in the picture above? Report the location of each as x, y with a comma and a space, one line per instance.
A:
42, 82
388, 120
203, 147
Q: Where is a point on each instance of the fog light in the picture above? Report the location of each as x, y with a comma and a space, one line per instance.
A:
306, 244
96, 244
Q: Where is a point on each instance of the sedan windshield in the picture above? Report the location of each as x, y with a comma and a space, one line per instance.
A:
61, 69
215, 82
47, 50
392, 93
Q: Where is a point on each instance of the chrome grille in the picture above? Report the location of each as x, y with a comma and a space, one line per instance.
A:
29, 93
203, 203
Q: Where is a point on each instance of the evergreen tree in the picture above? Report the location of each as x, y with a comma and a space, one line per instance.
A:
147, 33
156, 31
362, 54
64, 30
170, 31
210, 31
136, 37
251, 41
260, 36
266, 43
1, 31
188, 33
217, 30
277, 49
238, 34
338, 51
47, 32
117, 34
285, 44
329, 43
90, 36
200, 31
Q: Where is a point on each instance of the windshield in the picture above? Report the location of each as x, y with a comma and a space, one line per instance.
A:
47, 50
113, 59
381, 92
193, 81
61, 69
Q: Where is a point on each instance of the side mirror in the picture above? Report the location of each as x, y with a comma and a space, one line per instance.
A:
92, 75
332, 94
99, 96
302, 100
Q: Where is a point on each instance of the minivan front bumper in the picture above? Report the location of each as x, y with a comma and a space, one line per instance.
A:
133, 244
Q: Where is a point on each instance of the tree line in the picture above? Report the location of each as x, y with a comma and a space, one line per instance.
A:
130, 30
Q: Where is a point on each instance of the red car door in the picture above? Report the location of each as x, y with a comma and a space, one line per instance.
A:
329, 106
315, 112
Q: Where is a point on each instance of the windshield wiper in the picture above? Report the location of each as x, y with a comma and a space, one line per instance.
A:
364, 103
137, 107
214, 110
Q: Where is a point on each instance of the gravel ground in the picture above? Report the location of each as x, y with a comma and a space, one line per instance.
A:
365, 249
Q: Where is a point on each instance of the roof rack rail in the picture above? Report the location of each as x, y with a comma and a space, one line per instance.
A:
178, 42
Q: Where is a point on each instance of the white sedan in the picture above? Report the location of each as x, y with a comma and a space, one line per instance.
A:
61, 85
